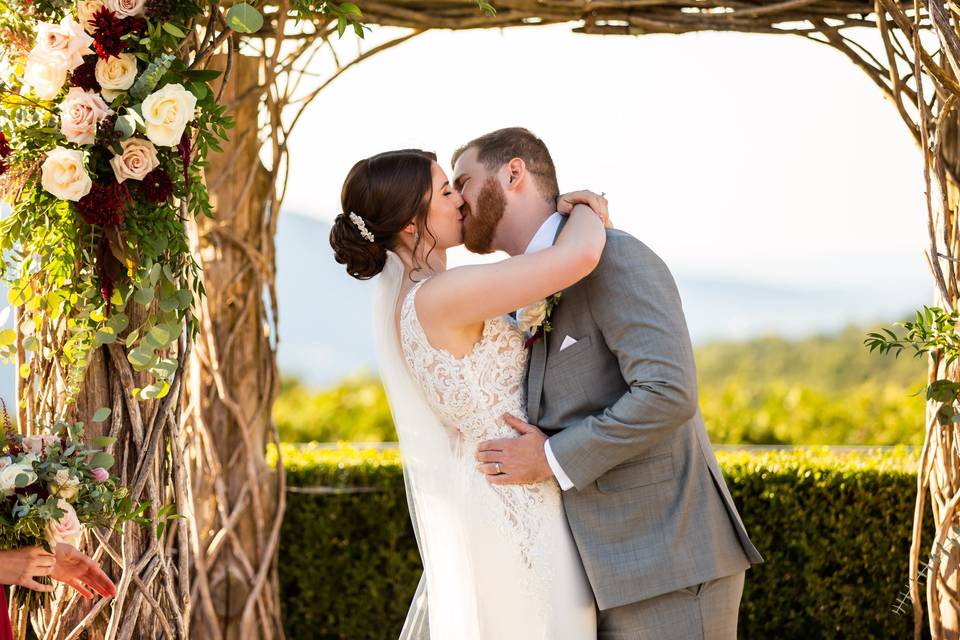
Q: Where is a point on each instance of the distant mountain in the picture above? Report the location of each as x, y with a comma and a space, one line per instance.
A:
325, 315
325, 326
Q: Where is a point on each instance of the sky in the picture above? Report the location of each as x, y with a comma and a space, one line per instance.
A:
757, 158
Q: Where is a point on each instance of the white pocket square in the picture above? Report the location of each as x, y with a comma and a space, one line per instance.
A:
567, 342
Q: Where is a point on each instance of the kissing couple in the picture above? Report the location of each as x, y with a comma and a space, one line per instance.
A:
560, 480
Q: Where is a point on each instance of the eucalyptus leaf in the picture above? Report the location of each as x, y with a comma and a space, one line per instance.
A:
102, 459
101, 414
126, 125
106, 335
140, 357
144, 296
118, 322
104, 441
244, 18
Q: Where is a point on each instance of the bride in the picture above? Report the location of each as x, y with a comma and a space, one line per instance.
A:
499, 561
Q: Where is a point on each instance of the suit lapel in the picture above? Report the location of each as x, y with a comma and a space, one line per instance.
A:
538, 364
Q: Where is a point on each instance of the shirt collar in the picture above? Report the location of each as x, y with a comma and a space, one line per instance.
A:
545, 235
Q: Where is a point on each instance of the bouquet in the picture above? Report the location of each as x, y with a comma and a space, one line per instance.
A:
53, 485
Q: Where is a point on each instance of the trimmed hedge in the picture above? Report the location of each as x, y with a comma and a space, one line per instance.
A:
834, 529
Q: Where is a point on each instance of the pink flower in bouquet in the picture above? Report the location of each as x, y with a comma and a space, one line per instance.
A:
80, 112
100, 474
67, 528
40, 444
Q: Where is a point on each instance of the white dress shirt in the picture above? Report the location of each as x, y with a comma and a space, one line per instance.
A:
543, 239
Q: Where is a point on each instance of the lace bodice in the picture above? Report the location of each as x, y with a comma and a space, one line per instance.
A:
471, 394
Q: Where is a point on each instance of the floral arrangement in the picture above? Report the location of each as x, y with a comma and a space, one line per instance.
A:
53, 486
534, 319
102, 145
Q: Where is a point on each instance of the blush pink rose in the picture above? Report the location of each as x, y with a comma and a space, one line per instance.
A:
40, 444
67, 528
100, 474
80, 112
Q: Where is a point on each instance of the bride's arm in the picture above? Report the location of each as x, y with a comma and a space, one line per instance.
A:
467, 295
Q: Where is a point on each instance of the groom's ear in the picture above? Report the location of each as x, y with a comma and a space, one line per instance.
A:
516, 172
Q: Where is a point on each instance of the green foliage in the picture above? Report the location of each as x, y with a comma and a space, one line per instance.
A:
348, 563
935, 333
354, 411
826, 363
834, 531
820, 390
777, 413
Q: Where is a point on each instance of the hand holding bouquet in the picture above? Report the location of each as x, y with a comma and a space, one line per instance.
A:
53, 486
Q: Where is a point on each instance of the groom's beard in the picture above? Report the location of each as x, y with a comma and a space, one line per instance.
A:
480, 226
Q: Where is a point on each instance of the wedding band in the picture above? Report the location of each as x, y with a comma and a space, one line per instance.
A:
498, 469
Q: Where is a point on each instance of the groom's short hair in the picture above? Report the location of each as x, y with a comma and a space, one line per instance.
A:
499, 147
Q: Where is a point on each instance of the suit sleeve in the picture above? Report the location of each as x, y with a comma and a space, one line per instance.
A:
635, 303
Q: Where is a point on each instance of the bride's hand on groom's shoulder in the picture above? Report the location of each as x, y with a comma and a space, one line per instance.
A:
520, 460
567, 201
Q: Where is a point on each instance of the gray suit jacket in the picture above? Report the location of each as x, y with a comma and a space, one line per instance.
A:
650, 511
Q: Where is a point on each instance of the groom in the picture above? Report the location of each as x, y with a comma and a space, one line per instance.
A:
614, 417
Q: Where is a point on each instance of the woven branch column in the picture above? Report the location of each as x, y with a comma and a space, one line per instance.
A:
150, 574
232, 383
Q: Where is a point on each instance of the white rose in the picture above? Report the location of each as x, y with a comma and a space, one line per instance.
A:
8, 476
65, 485
5, 461
85, 11
66, 42
139, 158
67, 528
124, 8
62, 174
116, 74
167, 112
80, 112
532, 316
44, 75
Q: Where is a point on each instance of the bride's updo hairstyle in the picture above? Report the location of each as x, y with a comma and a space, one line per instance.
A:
381, 196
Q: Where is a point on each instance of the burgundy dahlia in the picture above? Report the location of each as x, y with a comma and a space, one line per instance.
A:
5, 150
134, 24
104, 204
107, 37
159, 10
85, 77
107, 134
156, 186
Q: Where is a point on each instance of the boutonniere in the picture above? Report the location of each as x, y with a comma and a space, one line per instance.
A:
534, 319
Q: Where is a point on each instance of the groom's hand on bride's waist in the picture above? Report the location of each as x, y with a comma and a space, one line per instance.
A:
515, 460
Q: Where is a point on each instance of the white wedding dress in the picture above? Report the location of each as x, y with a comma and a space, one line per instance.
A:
499, 561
